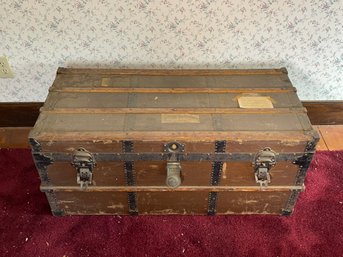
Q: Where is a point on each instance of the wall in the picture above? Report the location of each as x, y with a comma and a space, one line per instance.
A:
305, 36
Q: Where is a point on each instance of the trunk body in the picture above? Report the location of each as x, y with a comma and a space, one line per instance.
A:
172, 142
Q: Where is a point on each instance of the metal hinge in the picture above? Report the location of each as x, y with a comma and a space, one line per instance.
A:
264, 161
84, 163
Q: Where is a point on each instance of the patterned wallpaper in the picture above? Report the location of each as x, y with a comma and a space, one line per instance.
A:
306, 36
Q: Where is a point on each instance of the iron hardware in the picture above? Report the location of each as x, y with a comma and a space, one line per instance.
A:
84, 162
173, 174
173, 149
264, 161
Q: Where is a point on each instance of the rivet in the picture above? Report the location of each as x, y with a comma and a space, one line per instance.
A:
173, 146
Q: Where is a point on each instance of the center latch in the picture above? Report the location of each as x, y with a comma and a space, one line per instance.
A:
264, 161
173, 149
84, 163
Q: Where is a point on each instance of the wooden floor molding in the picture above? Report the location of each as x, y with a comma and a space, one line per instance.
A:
325, 112
19, 114
16, 120
14, 137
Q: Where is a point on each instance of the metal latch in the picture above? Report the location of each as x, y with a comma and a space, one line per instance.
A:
173, 174
264, 161
173, 165
84, 163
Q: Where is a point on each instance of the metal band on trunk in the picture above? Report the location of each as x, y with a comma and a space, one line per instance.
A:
217, 167
290, 203
42, 162
130, 181
304, 163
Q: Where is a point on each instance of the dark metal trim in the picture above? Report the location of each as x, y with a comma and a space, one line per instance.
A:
132, 199
130, 181
212, 203
287, 211
217, 168
174, 147
154, 156
311, 145
220, 146
35, 145
304, 161
128, 167
127, 146
43, 158
42, 161
55, 209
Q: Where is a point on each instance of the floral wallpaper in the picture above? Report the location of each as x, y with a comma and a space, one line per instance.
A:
305, 36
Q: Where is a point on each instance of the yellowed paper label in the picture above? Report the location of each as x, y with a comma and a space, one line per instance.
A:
105, 82
180, 118
255, 102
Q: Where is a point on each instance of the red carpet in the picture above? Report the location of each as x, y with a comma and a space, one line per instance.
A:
28, 229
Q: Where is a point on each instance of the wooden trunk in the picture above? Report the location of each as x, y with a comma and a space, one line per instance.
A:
172, 142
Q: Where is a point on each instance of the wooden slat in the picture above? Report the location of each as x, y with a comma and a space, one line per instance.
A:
26, 114
164, 188
17, 137
173, 72
170, 90
289, 136
174, 110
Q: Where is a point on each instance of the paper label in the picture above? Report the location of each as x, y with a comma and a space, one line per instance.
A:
255, 102
105, 82
180, 118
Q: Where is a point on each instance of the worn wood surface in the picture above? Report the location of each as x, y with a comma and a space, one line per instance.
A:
16, 137
18, 114
166, 189
176, 72
173, 110
172, 202
160, 95
172, 90
288, 136
100, 108
153, 173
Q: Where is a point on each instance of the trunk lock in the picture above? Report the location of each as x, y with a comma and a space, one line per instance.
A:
264, 161
84, 162
173, 174
173, 149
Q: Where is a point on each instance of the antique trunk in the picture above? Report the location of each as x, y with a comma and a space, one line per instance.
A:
172, 142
